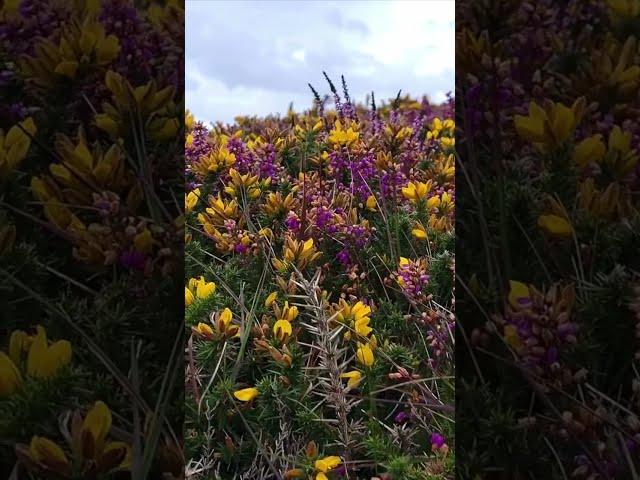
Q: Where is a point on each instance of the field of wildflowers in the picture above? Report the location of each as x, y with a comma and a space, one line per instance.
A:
548, 232
91, 239
319, 293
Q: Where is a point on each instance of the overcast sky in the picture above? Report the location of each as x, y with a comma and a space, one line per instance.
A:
255, 57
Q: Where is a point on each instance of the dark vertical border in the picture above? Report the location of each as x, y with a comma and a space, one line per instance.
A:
547, 233
91, 238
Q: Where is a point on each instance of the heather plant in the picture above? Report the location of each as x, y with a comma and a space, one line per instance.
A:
91, 239
548, 127
319, 298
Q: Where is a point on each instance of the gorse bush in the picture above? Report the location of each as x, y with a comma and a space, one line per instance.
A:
319, 293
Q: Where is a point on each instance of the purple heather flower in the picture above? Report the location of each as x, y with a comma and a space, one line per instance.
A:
401, 417
292, 222
133, 260
343, 257
241, 249
437, 440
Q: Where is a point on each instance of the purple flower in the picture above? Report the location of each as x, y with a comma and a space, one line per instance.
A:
437, 440
133, 260
343, 257
401, 417
292, 222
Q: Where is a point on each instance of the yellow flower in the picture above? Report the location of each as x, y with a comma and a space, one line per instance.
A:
354, 377
204, 330
188, 297
191, 199
357, 316
417, 191
89, 446
226, 316
246, 394
143, 242
517, 291
549, 126
282, 329
371, 203
49, 454
95, 427
591, 149
340, 137
85, 43
189, 120
43, 360
622, 159
296, 252
14, 146
246, 182
324, 465
205, 289
419, 232
625, 8
555, 226
403, 133
10, 378
270, 299
512, 337
364, 354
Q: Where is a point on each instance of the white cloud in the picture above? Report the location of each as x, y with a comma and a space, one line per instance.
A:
256, 57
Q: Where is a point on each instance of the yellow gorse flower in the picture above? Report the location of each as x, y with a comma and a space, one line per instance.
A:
44, 360
371, 203
357, 316
551, 125
287, 312
246, 394
199, 288
340, 137
297, 253
155, 107
217, 160
218, 211
282, 329
271, 299
417, 191
419, 232
325, 465
591, 149
275, 204
191, 199
244, 183
609, 203
14, 146
364, 354
353, 377
627, 9
89, 446
518, 291
188, 296
443, 168
189, 120
10, 378
555, 226
621, 159
85, 43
